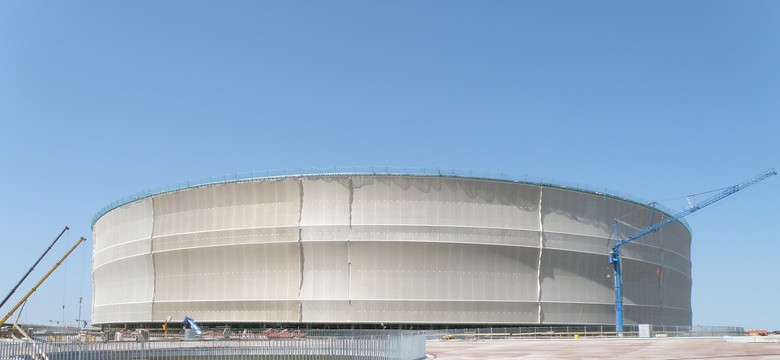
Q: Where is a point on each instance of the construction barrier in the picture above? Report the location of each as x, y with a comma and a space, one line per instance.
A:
380, 345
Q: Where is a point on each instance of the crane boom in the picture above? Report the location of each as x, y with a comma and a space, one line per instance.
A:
615, 256
730, 190
33, 267
81, 240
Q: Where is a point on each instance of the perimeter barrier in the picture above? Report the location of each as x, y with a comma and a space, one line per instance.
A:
583, 331
314, 345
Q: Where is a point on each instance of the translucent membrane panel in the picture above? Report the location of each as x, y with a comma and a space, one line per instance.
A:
569, 276
385, 249
123, 271
326, 271
444, 202
238, 311
676, 316
122, 313
449, 312
233, 237
326, 201
249, 205
445, 234
126, 224
397, 270
572, 212
564, 313
124, 287
247, 272
654, 285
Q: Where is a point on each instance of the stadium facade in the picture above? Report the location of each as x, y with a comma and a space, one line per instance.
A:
381, 248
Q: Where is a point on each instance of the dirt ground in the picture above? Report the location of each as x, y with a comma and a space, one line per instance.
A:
656, 348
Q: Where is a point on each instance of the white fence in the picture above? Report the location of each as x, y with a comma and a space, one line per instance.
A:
384, 345
593, 331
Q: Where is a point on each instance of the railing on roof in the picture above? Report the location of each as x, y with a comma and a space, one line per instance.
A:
380, 170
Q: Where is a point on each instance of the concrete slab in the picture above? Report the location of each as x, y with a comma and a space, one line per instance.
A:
761, 339
654, 348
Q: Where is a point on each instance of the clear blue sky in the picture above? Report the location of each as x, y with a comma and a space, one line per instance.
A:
659, 99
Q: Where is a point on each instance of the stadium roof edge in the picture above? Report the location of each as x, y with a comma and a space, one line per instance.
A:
378, 171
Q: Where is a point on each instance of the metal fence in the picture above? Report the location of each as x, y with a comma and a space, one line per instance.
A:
583, 331
322, 345
310, 344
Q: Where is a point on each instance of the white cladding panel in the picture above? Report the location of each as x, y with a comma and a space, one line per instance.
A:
123, 271
384, 249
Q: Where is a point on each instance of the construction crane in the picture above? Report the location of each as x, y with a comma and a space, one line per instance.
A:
614, 254
81, 240
33, 267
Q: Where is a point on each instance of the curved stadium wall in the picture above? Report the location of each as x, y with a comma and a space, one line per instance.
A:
384, 249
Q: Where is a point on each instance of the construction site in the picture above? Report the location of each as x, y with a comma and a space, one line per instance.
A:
378, 264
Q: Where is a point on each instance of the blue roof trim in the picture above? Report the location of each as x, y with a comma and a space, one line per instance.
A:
379, 170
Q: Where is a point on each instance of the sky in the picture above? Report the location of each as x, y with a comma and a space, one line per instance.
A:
658, 99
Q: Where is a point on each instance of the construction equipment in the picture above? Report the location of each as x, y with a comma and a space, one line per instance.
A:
165, 326
191, 324
33, 267
614, 254
12, 330
81, 240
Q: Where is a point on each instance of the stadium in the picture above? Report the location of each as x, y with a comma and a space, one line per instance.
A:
384, 248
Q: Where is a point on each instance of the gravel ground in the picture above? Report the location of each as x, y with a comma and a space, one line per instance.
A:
656, 348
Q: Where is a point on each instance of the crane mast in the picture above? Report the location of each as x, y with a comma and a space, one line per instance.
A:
615, 255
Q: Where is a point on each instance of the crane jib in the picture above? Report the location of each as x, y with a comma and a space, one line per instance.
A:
729, 191
614, 255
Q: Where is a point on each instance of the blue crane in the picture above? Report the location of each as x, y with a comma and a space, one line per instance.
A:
614, 254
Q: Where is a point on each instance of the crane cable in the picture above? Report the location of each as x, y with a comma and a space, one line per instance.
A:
687, 197
692, 195
81, 283
64, 287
